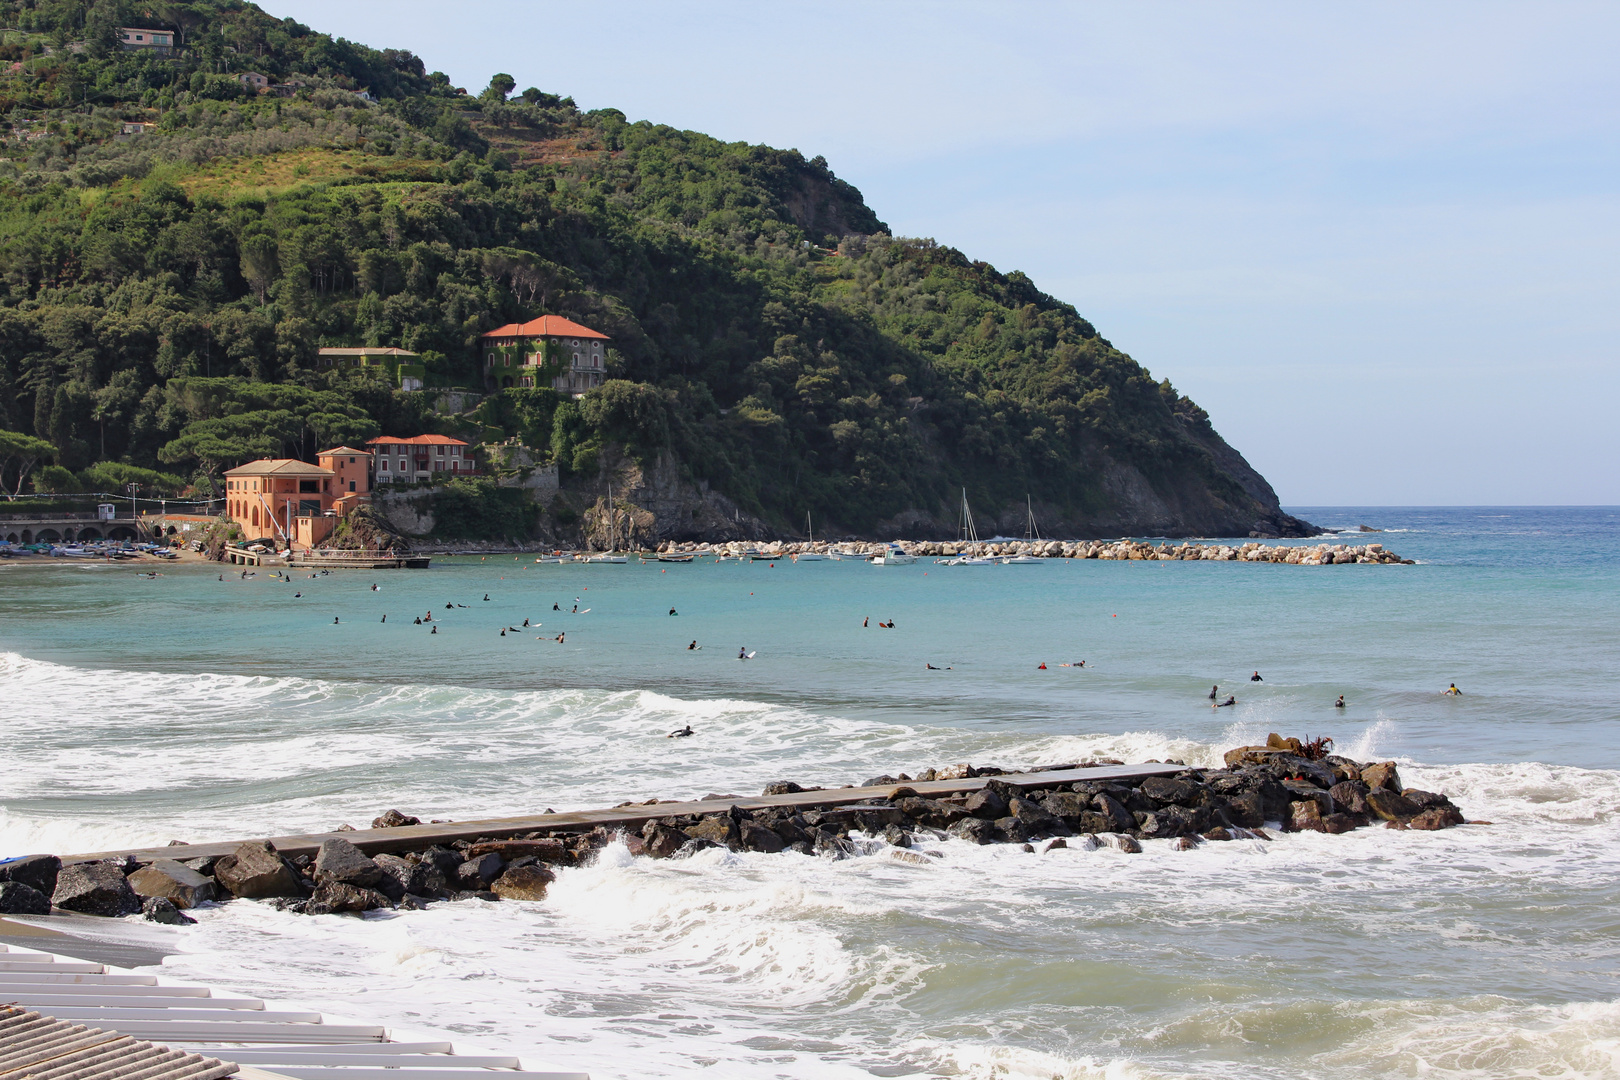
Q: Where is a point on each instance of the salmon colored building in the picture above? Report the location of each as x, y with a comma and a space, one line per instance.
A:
351, 476
285, 501
418, 458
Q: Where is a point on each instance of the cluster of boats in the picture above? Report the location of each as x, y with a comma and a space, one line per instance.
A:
106, 552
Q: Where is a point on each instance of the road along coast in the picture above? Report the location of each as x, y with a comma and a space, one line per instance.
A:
400, 862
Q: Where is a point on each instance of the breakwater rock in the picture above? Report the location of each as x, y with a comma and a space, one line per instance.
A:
1283, 786
1135, 550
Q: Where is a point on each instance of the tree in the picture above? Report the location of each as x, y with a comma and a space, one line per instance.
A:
21, 452
500, 86
259, 263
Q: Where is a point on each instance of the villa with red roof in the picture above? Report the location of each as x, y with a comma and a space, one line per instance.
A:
550, 350
418, 458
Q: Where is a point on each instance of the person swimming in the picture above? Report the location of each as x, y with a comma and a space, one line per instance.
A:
1214, 692
449, 607
1042, 667
486, 596
1256, 677
334, 620
692, 646
1340, 703
865, 621
1452, 691
385, 618
525, 622
1230, 700
419, 620
503, 632
1077, 663
672, 611
435, 630
930, 667
680, 733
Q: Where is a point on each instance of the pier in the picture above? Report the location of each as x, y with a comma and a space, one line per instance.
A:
632, 817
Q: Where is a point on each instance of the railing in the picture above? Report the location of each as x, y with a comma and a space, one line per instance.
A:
61, 515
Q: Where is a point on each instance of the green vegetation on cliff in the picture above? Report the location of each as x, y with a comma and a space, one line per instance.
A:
162, 294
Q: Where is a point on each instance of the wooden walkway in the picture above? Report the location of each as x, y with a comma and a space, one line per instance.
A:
417, 837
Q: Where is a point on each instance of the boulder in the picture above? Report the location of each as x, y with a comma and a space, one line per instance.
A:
334, 897
1390, 805
523, 883
986, 804
546, 850
1066, 805
160, 909
1093, 822
401, 877
1119, 818
1303, 790
1034, 818
663, 841
910, 857
38, 872
1349, 796
166, 879
95, 888
1424, 800
935, 812
1218, 833
790, 830
254, 870
476, 874
1121, 842
720, 829
1011, 829
756, 837
340, 861
1165, 790
1439, 817
393, 819
19, 899
1340, 823
445, 860
1305, 815
975, 830
1382, 775
1247, 809
896, 836
874, 819
782, 787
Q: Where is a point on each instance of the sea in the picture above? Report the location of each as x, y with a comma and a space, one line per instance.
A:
201, 705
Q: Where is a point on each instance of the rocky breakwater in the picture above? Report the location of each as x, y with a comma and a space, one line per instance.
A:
1124, 550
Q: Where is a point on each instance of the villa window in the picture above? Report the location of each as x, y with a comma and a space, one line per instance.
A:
384, 465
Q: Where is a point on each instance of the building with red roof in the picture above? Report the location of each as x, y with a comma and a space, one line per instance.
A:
420, 457
550, 350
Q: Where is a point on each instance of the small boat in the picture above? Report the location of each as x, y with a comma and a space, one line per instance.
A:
893, 555
607, 557
684, 557
969, 535
809, 556
1031, 535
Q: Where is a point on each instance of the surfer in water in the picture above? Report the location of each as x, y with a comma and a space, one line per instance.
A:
672, 611
486, 596
692, 646
1214, 691
1230, 700
680, 733
1077, 663
1452, 691
1340, 703
1256, 677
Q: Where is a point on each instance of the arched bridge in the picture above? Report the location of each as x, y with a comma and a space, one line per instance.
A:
69, 526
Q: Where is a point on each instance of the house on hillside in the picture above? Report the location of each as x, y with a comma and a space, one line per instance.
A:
548, 351
404, 369
421, 457
254, 82
137, 37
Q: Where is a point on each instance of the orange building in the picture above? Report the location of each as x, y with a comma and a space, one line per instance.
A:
282, 500
351, 476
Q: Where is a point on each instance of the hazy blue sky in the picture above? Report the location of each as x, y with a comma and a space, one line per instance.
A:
1380, 243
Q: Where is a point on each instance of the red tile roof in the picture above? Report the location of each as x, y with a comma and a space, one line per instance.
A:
547, 326
417, 440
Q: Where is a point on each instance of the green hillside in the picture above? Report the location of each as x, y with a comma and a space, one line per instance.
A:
163, 292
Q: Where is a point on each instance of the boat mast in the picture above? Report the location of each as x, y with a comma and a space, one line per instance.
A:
1030, 531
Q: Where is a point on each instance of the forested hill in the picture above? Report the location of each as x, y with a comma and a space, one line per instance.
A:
175, 247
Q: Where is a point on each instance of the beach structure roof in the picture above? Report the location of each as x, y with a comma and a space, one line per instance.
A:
546, 326
278, 467
416, 440
365, 351
338, 451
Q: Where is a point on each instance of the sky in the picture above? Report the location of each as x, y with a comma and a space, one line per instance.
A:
1378, 242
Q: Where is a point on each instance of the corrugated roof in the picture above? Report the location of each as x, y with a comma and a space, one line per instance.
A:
547, 326
278, 467
33, 1045
417, 440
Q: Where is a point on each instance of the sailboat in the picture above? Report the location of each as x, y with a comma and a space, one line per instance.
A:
809, 556
1031, 534
969, 535
612, 554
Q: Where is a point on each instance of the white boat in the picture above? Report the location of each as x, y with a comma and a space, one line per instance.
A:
608, 557
969, 535
611, 555
967, 560
1031, 535
809, 556
893, 555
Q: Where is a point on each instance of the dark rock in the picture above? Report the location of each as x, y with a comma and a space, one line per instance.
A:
38, 872
485, 895
333, 897
1390, 805
663, 841
204, 865
897, 836
19, 899
523, 883
1167, 821
401, 876
1119, 818
975, 830
410, 902
874, 819
718, 829
1058, 843
1305, 815
1011, 829
791, 830
1138, 803
1218, 833
1121, 842
695, 844
902, 792
476, 874
881, 781
1424, 800
782, 787
95, 888
1066, 805
986, 804
756, 837
1439, 817
1302, 790
1247, 808
935, 812
445, 860
183, 887
1034, 818
342, 862
393, 819
1165, 790
1093, 822
160, 909
1343, 768
546, 850
255, 871
1381, 775
1029, 849
1340, 823
1349, 796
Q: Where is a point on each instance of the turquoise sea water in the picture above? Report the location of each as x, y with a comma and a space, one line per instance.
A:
140, 710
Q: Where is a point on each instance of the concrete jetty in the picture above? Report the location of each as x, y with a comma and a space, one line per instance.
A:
421, 837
